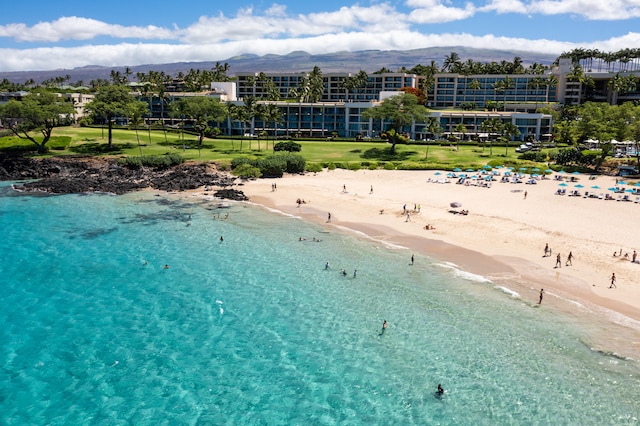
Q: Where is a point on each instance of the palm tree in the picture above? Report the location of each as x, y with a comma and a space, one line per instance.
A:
460, 128
509, 132
432, 124
491, 126
451, 62
250, 112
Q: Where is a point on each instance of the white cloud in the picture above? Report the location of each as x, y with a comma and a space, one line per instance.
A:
75, 28
437, 11
610, 10
154, 53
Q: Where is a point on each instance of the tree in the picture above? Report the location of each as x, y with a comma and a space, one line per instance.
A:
201, 110
491, 126
110, 103
400, 110
432, 124
509, 132
137, 110
39, 111
460, 128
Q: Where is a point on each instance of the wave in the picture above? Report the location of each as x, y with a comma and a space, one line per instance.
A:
465, 275
512, 293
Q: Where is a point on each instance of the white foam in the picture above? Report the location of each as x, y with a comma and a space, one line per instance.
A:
368, 237
514, 294
465, 275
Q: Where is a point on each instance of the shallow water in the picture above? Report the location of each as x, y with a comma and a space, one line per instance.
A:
255, 330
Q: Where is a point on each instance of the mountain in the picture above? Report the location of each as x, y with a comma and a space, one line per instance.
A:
367, 60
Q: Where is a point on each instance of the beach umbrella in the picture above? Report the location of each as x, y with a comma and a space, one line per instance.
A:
486, 166
575, 173
563, 184
622, 183
612, 189
498, 167
636, 184
455, 204
595, 187
630, 191
450, 175
470, 170
548, 171
578, 186
457, 170
437, 173
535, 169
523, 169
534, 175
562, 172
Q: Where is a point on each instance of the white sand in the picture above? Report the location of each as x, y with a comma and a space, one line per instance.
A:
502, 237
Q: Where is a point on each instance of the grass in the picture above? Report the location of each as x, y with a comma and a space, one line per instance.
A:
93, 141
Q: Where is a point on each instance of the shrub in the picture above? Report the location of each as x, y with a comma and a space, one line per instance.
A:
59, 143
354, 166
331, 166
389, 166
288, 146
247, 171
372, 166
154, 161
314, 167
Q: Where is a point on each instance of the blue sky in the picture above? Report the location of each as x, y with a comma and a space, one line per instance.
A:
42, 35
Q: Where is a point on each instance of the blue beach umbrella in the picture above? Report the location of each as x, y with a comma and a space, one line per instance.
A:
457, 170
575, 173
470, 170
630, 191
437, 173
578, 186
548, 171
562, 172
563, 184
622, 183
636, 184
535, 169
486, 166
595, 187
612, 189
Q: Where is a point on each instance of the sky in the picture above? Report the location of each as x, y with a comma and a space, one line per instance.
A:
46, 35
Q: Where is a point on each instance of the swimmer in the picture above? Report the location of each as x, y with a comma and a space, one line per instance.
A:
166, 267
440, 391
326, 265
355, 273
221, 238
343, 272
384, 327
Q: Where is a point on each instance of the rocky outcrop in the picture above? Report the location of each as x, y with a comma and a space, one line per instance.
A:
64, 175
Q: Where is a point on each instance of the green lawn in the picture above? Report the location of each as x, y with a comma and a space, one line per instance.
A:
93, 141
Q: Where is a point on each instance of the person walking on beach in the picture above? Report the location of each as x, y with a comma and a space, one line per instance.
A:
634, 257
547, 251
558, 261
408, 219
525, 195
412, 259
329, 217
613, 281
541, 294
344, 188
371, 192
569, 260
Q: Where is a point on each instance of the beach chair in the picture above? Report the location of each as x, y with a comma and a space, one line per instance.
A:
637, 200
601, 196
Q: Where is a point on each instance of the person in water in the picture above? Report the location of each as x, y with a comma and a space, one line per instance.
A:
440, 391
384, 327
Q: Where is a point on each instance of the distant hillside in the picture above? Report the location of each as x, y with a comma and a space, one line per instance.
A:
367, 60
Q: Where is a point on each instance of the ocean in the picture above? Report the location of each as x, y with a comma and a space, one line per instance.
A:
164, 310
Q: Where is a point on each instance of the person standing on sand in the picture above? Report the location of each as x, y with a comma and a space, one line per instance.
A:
541, 293
547, 252
525, 195
412, 259
634, 257
613, 281
569, 260
329, 217
558, 261
371, 192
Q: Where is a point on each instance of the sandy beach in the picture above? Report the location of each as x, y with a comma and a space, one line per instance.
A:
502, 237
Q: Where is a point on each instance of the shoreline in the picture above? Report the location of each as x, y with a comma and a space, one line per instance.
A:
498, 240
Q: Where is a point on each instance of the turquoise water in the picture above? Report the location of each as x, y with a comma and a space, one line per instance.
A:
254, 330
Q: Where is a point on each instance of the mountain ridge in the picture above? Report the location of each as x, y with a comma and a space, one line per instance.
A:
298, 61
